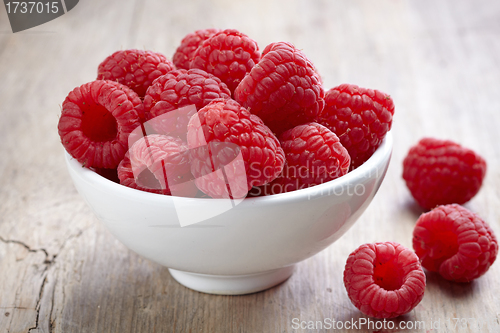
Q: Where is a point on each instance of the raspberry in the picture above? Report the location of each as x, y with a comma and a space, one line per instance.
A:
229, 55
360, 117
232, 147
313, 155
455, 242
184, 53
146, 181
96, 121
136, 69
159, 164
283, 89
439, 172
177, 89
384, 280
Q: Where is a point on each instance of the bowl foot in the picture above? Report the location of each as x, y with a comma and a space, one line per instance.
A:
232, 284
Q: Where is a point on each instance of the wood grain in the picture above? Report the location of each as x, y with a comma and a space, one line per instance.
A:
62, 271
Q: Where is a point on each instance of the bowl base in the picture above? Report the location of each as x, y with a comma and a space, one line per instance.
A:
232, 284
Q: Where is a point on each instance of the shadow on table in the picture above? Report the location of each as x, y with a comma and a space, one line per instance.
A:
450, 288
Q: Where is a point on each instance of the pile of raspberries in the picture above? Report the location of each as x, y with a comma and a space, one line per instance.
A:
224, 120
221, 120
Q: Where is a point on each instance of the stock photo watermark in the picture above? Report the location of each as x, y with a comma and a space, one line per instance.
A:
368, 324
25, 15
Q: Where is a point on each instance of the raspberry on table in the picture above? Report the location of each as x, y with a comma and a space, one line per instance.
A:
232, 150
229, 55
184, 54
177, 89
136, 69
283, 89
96, 121
145, 181
440, 172
454, 242
360, 117
313, 154
384, 280
159, 164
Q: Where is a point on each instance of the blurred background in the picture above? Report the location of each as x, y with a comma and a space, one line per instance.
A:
61, 271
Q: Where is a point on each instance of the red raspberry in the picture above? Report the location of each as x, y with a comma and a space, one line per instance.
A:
283, 89
314, 155
177, 89
229, 55
96, 121
455, 242
136, 69
384, 280
159, 164
217, 135
439, 172
144, 181
360, 117
184, 53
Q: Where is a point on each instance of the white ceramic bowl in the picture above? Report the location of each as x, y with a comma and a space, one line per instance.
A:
232, 248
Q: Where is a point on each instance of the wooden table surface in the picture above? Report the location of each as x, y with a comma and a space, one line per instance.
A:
62, 271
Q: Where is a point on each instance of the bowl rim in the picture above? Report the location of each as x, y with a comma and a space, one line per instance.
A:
353, 177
